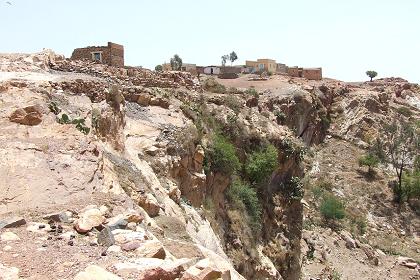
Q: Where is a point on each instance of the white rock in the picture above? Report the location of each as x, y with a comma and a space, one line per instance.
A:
94, 272
9, 273
7, 248
9, 236
34, 227
88, 220
113, 249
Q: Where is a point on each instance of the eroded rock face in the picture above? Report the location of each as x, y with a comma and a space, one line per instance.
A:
30, 115
109, 124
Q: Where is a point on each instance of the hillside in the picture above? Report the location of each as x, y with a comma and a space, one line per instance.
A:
126, 173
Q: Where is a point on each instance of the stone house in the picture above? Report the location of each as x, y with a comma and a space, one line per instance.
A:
281, 68
212, 70
262, 65
307, 73
112, 54
186, 67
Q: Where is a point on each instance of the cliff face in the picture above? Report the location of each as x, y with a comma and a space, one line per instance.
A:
154, 176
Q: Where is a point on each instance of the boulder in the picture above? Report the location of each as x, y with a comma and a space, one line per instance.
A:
350, 242
9, 273
407, 262
105, 237
93, 272
131, 245
151, 249
153, 268
149, 203
31, 115
144, 99
204, 270
9, 236
89, 219
12, 222
59, 217
125, 236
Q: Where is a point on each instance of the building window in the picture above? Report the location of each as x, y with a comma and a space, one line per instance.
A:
97, 56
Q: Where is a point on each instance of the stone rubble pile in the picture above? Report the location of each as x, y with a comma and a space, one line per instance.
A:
125, 238
128, 76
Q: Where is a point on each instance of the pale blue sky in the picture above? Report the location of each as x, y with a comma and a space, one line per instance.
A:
346, 38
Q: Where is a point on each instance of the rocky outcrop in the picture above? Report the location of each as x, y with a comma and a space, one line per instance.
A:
30, 115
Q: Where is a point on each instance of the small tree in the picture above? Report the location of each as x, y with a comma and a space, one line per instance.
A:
401, 144
232, 57
369, 160
224, 59
176, 63
159, 68
371, 74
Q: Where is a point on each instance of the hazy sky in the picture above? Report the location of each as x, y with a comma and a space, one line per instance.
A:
346, 38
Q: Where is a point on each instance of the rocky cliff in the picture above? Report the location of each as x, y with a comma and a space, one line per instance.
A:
125, 173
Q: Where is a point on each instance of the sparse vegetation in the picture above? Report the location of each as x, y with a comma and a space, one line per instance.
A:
240, 193
400, 146
80, 123
54, 108
292, 149
293, 188
212, 85
280, 116
406, 112
371, 74
159, 68
233, 57
176, 62
224, 59
261, 164
332, 208
369, 160
252, 91
222, 156
233, 103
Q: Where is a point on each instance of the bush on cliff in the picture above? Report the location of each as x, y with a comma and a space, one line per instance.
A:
261, 164
222, 156
243, 195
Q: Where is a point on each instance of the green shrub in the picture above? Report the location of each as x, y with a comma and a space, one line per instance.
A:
293, 188
64, 119
405, 111
369, 160
252, 91
80, 123
222, 156
240, 193
411, 185
332, 208
233, 103
291, 149
54, 108
280, 116
261, 164
212, 85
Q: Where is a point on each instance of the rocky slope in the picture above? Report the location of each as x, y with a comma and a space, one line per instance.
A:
110, 172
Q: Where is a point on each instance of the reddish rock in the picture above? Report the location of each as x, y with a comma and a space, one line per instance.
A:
31, 115
132, 245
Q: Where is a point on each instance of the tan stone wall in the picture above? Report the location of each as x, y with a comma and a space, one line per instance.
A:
293, 71
312, 73
116, 54
113, 54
